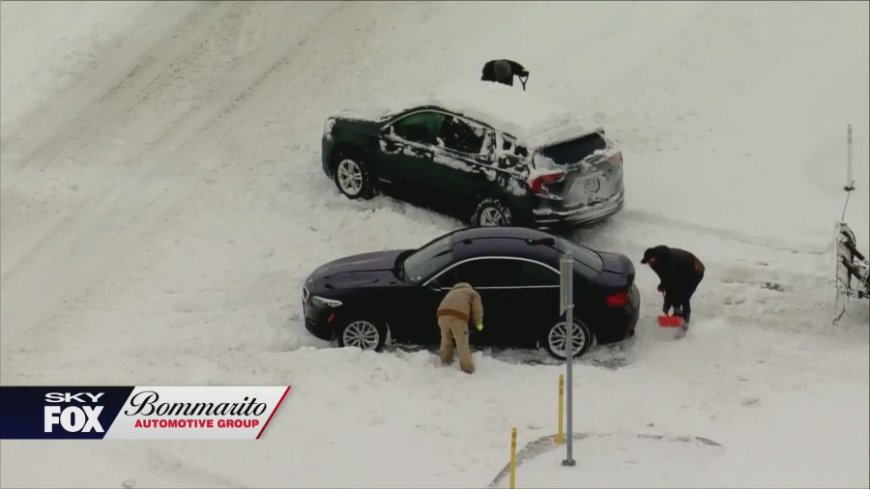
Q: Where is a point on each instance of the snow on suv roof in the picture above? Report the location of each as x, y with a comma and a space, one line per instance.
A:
532, 119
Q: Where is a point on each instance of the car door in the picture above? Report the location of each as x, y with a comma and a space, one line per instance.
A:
485, 275
406, 147
533, 295
413, 318
520, 299
463, 157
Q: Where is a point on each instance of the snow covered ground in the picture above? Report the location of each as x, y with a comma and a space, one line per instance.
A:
161, 202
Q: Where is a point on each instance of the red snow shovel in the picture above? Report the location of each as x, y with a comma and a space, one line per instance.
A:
666, 321
670, 321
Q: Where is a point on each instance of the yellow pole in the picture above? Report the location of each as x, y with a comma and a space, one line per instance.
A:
560, 436
513, 456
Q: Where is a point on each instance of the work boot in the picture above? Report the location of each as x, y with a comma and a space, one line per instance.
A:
683, 329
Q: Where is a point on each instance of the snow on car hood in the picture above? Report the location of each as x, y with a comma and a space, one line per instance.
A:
364, 113
383, 109
364, 262
366, 269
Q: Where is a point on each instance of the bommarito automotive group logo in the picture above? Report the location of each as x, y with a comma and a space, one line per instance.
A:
227, 414
169, 413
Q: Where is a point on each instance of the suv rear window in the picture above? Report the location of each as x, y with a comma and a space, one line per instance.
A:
575, 150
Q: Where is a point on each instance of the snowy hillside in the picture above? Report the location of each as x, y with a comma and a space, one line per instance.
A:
162, 201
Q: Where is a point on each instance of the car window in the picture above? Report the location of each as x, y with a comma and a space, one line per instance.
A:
421, 127
535, 274
508, 144
498, 272
428, 260
575, 150
462, 135
484, 273
587, 261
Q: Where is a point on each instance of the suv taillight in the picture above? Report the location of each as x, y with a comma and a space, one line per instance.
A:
538, 183
616, 158
618, 299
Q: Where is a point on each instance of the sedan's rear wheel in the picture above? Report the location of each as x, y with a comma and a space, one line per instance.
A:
363, 334
556, 340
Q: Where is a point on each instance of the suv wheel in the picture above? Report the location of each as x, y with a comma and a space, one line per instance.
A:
491, 211
352, 177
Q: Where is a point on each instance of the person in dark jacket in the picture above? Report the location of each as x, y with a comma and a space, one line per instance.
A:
503, 71
679, 273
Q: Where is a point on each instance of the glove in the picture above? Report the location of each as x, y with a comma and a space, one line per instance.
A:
479, 327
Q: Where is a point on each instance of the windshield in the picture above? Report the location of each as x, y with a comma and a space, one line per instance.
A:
587, 262
428, 260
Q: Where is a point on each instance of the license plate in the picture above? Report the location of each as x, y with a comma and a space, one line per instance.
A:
586, 185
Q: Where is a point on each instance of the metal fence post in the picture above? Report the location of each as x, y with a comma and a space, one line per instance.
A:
566, 306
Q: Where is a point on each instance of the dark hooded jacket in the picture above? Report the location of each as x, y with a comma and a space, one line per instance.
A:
678, 270
516, 69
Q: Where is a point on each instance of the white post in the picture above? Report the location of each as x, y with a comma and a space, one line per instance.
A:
850, 183
567, 306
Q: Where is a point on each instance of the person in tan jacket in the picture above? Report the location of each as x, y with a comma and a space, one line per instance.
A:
461, 304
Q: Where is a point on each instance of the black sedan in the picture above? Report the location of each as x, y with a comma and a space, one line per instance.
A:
361, 299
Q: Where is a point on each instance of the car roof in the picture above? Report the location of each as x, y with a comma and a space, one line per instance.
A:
534, 120
502, 241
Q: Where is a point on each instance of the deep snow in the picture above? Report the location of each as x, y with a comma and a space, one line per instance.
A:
161, 202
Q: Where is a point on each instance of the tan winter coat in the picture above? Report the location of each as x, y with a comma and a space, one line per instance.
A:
462, 302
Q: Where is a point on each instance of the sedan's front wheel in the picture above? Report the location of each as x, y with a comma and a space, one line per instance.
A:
363, 334
556, 340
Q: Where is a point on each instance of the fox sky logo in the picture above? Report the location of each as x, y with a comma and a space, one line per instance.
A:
197, 412
63, 412
74, 418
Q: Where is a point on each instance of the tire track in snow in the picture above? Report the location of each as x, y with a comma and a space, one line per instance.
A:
724, 234
82, 138
72, 251
104, 117
85, 104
